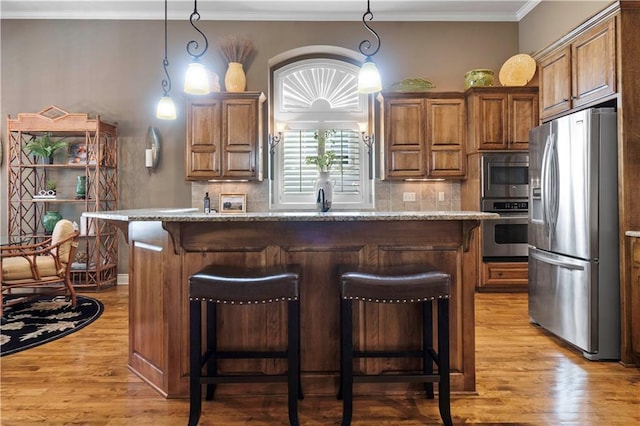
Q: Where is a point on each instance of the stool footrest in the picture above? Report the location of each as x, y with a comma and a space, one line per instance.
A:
263, 378
388, 354
396, 378
248, 354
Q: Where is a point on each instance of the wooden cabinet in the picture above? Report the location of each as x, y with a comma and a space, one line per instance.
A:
500, 118
224, 136
635, 297
91, 158
503, 276
446, 137
580, 71
424, 135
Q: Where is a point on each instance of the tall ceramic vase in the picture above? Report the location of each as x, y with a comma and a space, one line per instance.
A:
324, 192
235, 79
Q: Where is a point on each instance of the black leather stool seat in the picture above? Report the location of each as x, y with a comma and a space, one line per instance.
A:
395, 284
422, 284
227, 284
216, 284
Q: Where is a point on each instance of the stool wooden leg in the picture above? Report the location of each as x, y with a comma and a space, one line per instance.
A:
427, 345
297, 324
346, 368
444, 389
195, 362
293, 361
212, 348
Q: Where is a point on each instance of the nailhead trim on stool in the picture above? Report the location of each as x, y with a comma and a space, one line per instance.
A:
420, 284
222, 284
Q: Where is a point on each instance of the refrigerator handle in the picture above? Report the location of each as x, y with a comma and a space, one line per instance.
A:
554, 201
544, 185
554, 261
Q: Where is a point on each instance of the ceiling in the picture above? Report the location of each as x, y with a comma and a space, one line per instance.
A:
271, 10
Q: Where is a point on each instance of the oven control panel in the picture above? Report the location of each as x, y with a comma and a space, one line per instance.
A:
504, 206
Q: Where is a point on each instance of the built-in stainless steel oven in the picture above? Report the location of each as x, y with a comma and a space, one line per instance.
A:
505, 175
505, 238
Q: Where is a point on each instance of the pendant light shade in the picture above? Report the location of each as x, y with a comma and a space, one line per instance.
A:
166, 109
369, 78
196, 80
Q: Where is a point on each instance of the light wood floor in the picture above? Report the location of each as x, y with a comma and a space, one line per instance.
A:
523, 376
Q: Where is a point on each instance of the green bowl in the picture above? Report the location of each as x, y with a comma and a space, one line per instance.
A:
478, 78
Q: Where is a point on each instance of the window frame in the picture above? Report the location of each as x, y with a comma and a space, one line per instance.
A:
318, 119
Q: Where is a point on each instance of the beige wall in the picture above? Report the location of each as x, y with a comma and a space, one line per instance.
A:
550, 20
114, 68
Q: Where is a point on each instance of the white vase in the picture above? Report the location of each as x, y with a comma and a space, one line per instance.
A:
324, 192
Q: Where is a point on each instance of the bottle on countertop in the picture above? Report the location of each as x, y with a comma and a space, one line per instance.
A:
207, 203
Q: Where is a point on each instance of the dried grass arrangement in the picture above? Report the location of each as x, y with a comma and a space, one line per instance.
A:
236, 49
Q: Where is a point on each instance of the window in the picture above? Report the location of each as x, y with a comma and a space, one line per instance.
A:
317, 101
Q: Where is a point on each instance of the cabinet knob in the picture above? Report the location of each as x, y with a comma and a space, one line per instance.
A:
573, 98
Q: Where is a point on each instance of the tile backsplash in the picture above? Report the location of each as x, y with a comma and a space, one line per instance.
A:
390, 195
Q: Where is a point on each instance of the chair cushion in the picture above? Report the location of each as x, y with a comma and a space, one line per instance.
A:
17, 268
62, 230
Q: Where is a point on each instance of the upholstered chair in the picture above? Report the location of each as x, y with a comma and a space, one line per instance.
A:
30, 270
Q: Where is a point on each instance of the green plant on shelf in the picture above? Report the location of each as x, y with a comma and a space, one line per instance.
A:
45, 146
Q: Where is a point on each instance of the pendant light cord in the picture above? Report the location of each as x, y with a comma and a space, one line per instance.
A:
365, 45
166, 83
193, 44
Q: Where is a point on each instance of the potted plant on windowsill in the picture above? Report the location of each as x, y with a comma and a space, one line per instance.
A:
45, 146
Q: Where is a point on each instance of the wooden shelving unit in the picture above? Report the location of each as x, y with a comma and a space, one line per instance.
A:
95, 265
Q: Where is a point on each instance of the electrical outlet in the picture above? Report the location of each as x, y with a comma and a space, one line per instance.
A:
408, 196
440, 196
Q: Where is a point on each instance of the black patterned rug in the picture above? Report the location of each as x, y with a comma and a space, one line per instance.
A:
33, 323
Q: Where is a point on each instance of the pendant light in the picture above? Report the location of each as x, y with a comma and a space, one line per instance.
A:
197, 79
369, 77
166, 109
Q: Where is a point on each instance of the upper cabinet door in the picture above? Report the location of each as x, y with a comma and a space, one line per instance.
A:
446, 137
523, 116
202, 147
240, 135
404, 138
555, 82
594, 59
491, 125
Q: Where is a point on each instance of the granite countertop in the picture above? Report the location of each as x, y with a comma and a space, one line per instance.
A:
194, 215
632, 234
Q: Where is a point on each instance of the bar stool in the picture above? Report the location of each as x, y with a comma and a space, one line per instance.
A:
400, 284
241, 286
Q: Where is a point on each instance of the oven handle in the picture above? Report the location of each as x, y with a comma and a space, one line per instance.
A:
510, 216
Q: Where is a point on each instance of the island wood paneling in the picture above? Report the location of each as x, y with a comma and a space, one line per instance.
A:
163, 262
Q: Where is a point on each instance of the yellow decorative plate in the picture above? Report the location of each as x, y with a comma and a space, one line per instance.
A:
518, 70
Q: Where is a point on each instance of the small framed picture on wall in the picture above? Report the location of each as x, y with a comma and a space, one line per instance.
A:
233, 203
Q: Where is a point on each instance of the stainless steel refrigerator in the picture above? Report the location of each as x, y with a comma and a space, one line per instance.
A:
574, 281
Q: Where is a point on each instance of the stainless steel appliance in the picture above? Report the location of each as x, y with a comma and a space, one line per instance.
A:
505, 183
573, 231
505, 175
505, 238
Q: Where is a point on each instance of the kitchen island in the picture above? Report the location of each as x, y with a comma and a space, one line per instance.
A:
166, 246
